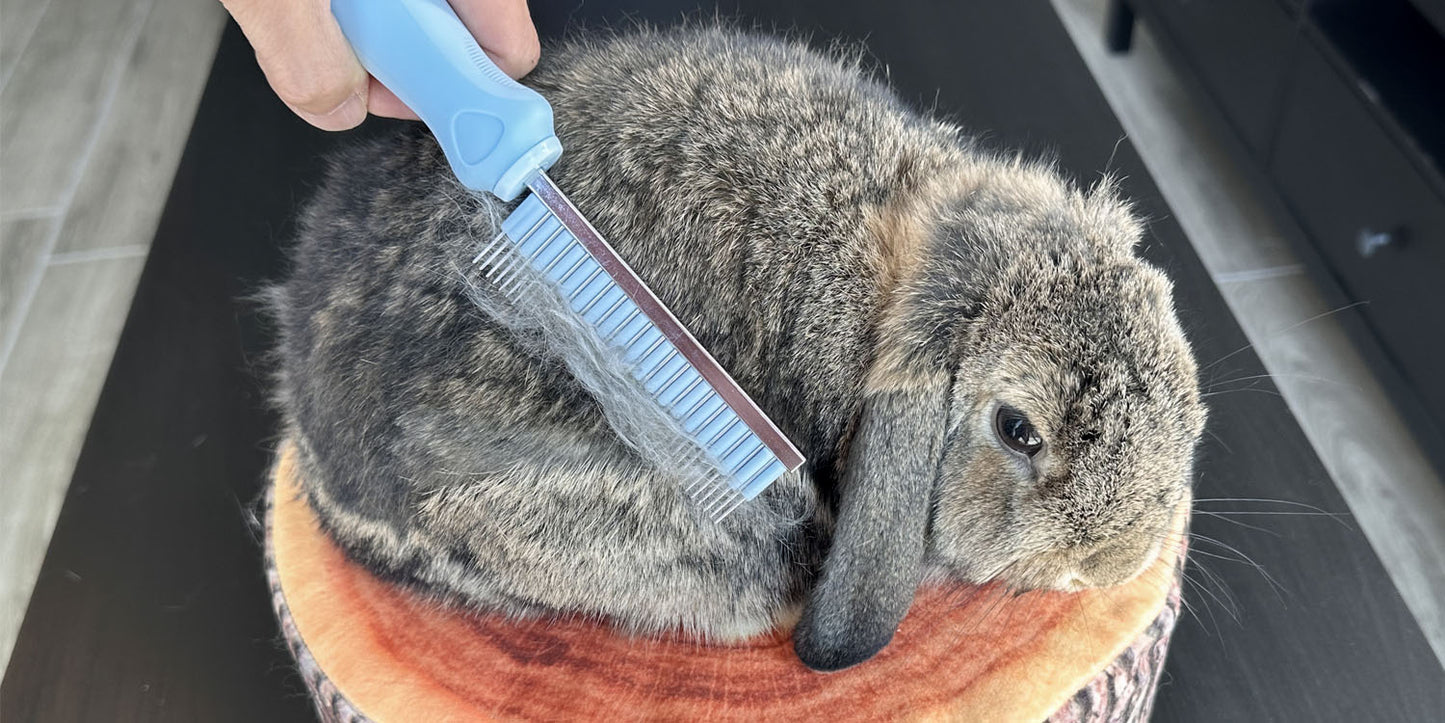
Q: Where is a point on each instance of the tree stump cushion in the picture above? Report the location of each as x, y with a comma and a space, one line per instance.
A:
371, 651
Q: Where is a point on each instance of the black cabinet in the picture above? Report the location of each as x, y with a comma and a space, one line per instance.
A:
1241, 50
1339, 105
1373, 219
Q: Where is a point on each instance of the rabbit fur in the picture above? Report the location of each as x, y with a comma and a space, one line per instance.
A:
878, 283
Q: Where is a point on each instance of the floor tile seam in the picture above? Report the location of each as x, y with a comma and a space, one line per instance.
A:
12, 335
28, 214
1263, 273
112, 253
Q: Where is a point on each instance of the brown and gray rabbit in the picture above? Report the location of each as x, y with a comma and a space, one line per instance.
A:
988, 383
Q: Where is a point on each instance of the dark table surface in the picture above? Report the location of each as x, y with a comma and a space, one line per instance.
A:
151, 604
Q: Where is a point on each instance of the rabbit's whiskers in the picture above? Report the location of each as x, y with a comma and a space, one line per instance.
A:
1285, 330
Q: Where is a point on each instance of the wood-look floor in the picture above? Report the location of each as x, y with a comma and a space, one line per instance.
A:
96, 100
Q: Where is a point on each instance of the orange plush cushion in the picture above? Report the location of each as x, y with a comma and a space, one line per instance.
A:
962, 654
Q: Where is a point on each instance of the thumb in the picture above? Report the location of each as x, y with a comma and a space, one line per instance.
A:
306, 59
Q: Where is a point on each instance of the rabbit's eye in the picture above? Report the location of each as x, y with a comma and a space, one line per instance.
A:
1017, 432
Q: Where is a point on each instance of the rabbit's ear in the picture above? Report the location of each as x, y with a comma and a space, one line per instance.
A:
876, 559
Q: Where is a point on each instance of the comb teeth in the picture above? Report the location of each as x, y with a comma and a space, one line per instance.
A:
536, 247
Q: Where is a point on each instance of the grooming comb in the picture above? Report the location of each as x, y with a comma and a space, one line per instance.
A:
498, 137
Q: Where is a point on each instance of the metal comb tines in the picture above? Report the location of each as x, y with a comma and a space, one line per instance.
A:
546, 243
512, 278
713, 499
491, 255
660, 365
490, 249
686, 390
733, 451
504, 261
585, 283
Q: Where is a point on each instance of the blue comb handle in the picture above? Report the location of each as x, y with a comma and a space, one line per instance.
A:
495, 132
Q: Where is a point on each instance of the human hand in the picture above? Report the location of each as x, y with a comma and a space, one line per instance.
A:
311, 67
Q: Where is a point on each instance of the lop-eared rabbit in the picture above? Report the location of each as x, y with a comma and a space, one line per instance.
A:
988, 383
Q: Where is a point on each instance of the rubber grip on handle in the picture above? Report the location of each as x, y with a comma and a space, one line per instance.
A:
496, 133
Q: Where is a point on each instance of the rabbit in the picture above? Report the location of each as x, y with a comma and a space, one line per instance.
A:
988, 383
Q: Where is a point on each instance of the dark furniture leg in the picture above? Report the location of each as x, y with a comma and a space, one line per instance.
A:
1119, 26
